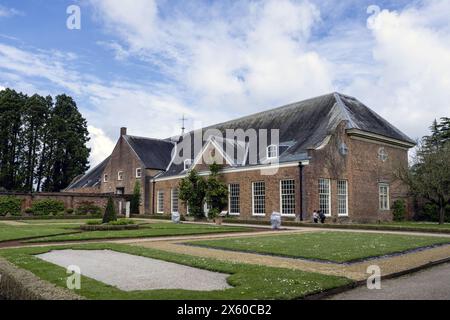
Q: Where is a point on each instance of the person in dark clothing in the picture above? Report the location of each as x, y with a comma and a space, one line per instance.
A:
322, 216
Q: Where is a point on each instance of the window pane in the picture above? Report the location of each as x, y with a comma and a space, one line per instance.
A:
288, 196
259, 198
324, 196
160, 202
342, 191
174, 200
234, 199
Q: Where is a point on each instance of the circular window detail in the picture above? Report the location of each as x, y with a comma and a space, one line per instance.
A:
382, 154
343, 149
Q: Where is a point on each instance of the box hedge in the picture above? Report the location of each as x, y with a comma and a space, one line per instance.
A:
10, 205
46, 207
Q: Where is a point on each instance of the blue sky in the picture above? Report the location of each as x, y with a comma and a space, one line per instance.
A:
144, 63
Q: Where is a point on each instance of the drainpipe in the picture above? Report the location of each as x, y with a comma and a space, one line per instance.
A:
153, 196
300, 170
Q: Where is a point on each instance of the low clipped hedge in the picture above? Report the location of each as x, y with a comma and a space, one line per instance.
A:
10, 205
47, 207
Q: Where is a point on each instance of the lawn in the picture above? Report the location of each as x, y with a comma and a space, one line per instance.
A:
329, 246
421, 225
9, 232
248, 281
147, 230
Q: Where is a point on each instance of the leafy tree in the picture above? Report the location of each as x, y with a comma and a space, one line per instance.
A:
136, 198
67, 136
399, 210
192, 193
429, 176
216, 191
110, 211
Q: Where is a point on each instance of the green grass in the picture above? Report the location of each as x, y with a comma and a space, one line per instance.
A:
57, 221
148, 230
8, 232
413, 224
329, 246
248, 281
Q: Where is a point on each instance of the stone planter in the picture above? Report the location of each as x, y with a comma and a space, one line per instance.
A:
218, 220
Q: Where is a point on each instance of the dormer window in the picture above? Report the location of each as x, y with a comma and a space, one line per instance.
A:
138, 172
187, 164
105, 178
272, 151
120, 175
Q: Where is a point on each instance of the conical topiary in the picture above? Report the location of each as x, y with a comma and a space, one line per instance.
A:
110, 211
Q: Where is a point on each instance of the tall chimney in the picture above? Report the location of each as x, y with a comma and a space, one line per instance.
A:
123, 131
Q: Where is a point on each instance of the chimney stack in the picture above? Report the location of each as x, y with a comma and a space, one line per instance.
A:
123, 131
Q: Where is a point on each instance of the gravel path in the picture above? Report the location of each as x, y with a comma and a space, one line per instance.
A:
430, 284
129, 272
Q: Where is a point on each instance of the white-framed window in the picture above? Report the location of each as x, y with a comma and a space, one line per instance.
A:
234, 190
174, 200
383, 191
342, 194
105, 178
325, 196
160, 203
287, 197
272, 151
120, 175
382, 154
259, 198
187, 164
138, 172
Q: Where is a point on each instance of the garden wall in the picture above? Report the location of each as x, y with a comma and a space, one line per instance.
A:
70, 199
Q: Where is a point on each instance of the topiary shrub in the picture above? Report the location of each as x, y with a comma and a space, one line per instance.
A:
10, 205
70, 211
399, 210
136, 198
87, 207
46, 207
110, 211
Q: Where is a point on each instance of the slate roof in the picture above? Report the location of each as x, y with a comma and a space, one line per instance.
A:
305, 124
90, 179
154, 153
302, 125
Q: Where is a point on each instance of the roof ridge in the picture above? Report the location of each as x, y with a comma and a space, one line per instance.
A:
147, 138
344, 110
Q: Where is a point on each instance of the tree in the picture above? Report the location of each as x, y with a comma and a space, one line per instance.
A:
216, 191
110, 211
192, 193
136, 198
67, 136
429, 176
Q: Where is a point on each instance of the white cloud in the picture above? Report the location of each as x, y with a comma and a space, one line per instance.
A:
8, 12
101, 145
410, 77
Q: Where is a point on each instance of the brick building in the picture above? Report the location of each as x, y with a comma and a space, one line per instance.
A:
330, 153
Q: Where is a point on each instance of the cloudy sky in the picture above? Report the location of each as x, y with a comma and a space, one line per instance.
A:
145, 63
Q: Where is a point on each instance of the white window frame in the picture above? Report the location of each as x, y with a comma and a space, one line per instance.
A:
287, 194
253, 199
329, 195
380, 195
269, 151
229, 199
105, 177
187, 163
138, 172
339, 194
172, 201
120, 175
158, 207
